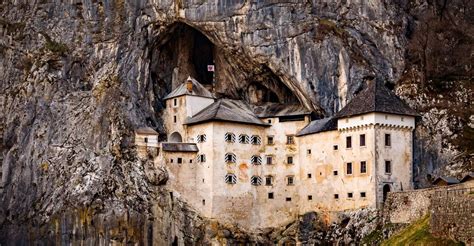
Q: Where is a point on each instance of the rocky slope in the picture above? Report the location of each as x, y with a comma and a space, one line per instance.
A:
77, 77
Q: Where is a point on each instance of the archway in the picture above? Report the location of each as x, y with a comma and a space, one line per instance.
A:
175, 137
386, 190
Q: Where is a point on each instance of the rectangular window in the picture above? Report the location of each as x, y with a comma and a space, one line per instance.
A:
268, 180
203, 202
308, 151
362, 194
146, 140
202, 158
309, 175
310, 197
349, 168
363, 167
349, 142
335, 173
290, 180
288, 199
171, 160
388, 140
175, 102
290, 139
289, 159
269, 121
270, 195
388, 167
349, 195
362, 140
270, 140
269, 160
174, 119
180, 160
191, 161
335, 147
336, 196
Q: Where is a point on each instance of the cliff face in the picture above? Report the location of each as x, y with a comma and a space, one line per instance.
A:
77, 77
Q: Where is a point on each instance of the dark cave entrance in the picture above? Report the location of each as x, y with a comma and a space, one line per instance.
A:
183, 51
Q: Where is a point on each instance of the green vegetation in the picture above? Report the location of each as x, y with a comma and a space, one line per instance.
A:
53, 46
327, 26
418, 234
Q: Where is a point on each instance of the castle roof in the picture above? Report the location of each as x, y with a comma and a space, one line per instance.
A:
376, 98
146, 131
197, 90
445, 179
322, 125
469, 176
179, 147
226, 110
269, 109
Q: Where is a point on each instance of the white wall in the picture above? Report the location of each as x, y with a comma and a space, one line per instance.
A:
376, 118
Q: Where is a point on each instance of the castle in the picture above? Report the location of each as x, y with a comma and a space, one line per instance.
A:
263, 165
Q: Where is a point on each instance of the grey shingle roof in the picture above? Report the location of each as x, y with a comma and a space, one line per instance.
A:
376, 98
226, 110
278, 109
449, 180
198, 90
146, 131
322, 125
469, 176
179, 147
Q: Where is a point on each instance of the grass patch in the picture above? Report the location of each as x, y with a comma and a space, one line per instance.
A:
418, 233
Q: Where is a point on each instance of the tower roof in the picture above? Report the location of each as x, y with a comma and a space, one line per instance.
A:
376, 98
322, 125
226, 110
197, 89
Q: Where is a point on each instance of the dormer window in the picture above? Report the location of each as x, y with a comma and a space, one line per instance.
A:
201, 138
229, 137
243, 138
256, 140
230, 158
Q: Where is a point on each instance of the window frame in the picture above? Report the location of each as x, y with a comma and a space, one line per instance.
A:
389, 162
244, 138
388, 140
362, 139
363, 194
292, 178
290, 139
267, 178
229, 137
256, 180
364, 165
350, 195
256, 160
348, 142
230, 178
255, 140
290, 160
267, 158
349, 164
201, 138
230, 157
272, 142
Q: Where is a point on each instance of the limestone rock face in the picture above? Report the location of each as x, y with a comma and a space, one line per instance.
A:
77, 77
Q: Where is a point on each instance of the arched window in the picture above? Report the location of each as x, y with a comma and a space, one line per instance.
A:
386, 190
243, 138
229, 137
201, 138
256, 160
256, 180
230, 158
256, 140
230, 178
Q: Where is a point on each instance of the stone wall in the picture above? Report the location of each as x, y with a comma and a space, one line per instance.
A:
408, 206
452, 214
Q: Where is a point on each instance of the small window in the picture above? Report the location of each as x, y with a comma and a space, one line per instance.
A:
243, 138
289, 159
230, 158
270, 140
290, 139
310, 197
190, 160
308, 151
171, 160
175, 102
230, 178
180, 160
349, 168
256, 140
388, 167
203, 202
145, 140
256, 160
362, 194
201, 138
336, 196
229, 137
335, 173
309, 175
335, 147
174, 119
256, 180
290, 180
349, 142
402, 119
349, 195
270, 195
269, 121
201, 158
268, 180
363, 167
362, 140
288, 199
388, 140
269, 160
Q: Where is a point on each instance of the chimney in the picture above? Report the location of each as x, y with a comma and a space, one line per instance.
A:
189, 85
